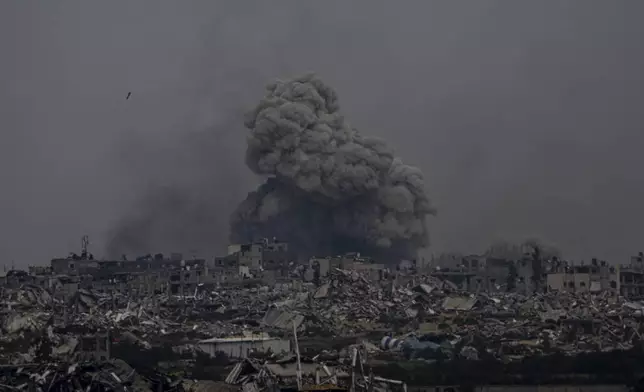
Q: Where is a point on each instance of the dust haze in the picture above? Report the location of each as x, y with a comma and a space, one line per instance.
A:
525, 117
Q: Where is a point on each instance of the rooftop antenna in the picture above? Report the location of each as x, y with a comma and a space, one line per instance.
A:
298, 369
84, 243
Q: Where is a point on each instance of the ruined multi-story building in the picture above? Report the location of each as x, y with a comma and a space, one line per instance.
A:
186, 279
626, 280
225, 268
594, 278
506, 270
146, 275
631, 278
277, 259
502, 268
266, 258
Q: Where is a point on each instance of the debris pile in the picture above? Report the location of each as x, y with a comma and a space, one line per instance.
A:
401, 318
114, 375
431, 315
349, 373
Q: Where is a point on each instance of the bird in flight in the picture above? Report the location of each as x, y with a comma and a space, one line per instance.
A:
128, 95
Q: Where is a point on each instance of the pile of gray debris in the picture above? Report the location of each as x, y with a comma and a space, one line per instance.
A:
347, 372
113, 375
419, 317
429, 315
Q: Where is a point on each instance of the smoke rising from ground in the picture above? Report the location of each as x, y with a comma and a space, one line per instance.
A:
330, 188
180, 206
523, 131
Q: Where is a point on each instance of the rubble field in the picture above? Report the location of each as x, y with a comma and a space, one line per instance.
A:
344, 323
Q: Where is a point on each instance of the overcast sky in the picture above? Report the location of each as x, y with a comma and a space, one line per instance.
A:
527, 117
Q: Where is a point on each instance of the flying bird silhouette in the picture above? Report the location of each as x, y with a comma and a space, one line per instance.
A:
128, 95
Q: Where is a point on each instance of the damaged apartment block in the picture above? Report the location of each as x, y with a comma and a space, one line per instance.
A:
260, 319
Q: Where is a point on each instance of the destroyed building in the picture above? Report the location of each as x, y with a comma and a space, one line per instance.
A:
491, 273
83, 266
527, 275
485, 312
631, 277
271, 259
421, 317
596, 277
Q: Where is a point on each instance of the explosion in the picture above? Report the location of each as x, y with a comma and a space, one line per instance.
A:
330, 190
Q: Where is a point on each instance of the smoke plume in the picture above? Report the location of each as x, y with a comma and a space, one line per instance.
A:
330, 189
180, 206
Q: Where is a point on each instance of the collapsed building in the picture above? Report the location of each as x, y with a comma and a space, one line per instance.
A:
240, 332
527, 274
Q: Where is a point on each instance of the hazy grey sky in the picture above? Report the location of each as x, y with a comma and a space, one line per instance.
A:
527, 117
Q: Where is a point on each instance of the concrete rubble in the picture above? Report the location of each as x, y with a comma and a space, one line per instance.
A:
413, 317
114, 375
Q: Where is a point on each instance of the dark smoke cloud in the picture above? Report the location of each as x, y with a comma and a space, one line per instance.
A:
524, 131
330, 188
180, 206
164, 219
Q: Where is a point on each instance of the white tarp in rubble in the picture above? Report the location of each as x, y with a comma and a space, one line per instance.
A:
459, 303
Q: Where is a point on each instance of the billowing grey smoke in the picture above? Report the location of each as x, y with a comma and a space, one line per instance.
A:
330, 189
